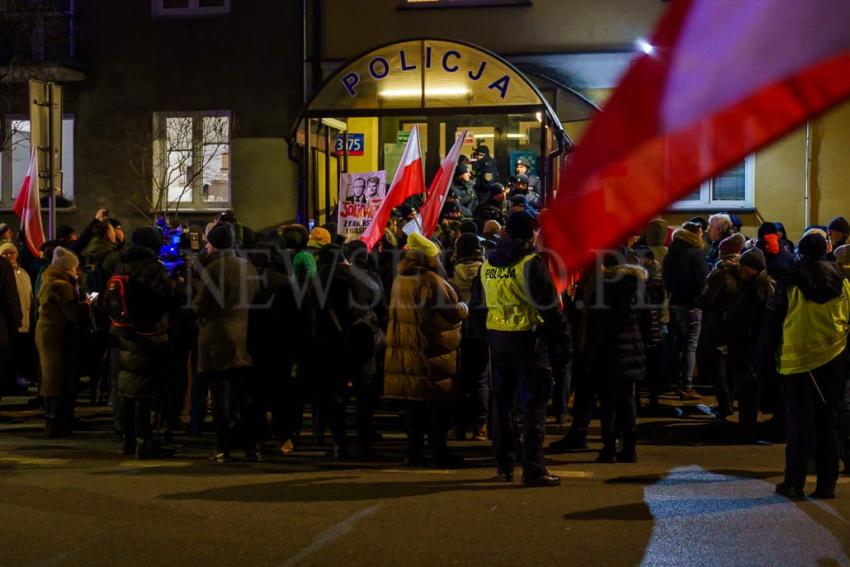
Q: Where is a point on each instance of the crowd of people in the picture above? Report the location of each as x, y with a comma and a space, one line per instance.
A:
473, 332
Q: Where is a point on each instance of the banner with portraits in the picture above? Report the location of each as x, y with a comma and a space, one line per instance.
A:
360, 196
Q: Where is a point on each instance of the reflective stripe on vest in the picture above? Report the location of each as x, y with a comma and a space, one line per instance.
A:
508, 305
813, 333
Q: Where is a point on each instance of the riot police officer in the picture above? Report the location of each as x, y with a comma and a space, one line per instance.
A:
463, 187
484, 167
521, 185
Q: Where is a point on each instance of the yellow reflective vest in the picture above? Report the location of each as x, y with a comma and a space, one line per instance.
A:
505, 292
813, 333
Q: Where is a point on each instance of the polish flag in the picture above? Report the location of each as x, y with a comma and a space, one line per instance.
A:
28, 209
409, 180
719, 80
439, 189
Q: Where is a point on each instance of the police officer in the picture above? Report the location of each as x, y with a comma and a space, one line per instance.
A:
520, 185
463, 187
484, 167
523, 167
515, 300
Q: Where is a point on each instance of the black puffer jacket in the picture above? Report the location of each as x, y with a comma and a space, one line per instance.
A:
684, 269
721, 289
654, 301
143, 350
615, 342
746, 316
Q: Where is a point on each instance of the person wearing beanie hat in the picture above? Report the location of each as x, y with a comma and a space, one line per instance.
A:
469, 227
684, 272
58, 328
778, 260
220, 237
492, 204
148, 305
472, 407
805, 339
519, 203
463, 188
719, 293
319, 237
747, 315
656, 237
838, 230
517, 299
421, 361
222, 306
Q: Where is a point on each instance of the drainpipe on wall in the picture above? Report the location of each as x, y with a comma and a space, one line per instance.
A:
807, 168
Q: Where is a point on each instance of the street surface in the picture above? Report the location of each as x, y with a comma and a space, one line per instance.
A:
691, 500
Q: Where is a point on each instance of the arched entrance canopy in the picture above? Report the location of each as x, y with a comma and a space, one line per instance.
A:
439, 81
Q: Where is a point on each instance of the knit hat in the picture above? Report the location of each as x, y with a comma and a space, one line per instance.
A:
731, 245
469, 227
839, 224
6, 246
419, 243
303, 266
812, 247
491, 227
519, 200
149, 237
220, 236
521, 225
656, 232
754, 258
461, 169
294, 235
736, 221
700, 221
766, 228
319, 237
64, 259
468, 247
842, 254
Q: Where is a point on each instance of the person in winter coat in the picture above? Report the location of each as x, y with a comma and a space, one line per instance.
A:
745, 317
616, 354
684, 272
842, 260
785, 243
779, 261
472, 409
56, 337
719, 228
653, 338
345, 324
423, 337
721, 289
20, 339
141, 309
805, 337
229, 284
516, 303
838, 231
656, 238
492, 205
463, 187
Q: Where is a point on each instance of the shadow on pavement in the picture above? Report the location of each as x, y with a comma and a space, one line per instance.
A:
330, 489
728, 474
638, 512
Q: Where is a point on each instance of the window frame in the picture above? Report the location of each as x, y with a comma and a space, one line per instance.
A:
444, 4
706, 202
7, 201
198, 147
193, 10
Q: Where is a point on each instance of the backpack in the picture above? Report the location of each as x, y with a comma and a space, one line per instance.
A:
117, 304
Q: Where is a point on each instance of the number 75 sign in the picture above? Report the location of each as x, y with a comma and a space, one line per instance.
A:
355, 144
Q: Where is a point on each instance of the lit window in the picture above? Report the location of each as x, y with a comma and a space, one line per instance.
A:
732, 189
191, 160
190, 7
15, 159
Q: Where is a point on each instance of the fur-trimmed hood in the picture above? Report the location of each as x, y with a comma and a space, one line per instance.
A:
688, 237
623, 271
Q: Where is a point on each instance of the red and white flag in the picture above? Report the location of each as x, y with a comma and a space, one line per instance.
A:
28, 209
719, 80
409, 180
439, 189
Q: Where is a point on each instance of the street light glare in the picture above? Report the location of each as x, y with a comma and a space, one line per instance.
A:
644, 46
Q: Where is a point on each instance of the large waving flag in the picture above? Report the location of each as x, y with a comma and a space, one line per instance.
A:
28, 209
439, 189
409, 180
719, 80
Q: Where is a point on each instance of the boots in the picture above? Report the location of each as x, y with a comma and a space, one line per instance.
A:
628, 453
608, 454
148, 449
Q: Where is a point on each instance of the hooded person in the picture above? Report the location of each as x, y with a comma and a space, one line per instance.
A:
805, 338
787, 244
423, 337
57, 332
656, 237
463, 187
515, 303
684, 272
492, 204
719, 293
838, 231
779, 261
319, 238
141, 310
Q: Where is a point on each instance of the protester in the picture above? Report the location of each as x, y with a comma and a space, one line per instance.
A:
229, 284
684, 273
423, 337
719, 228
22, 354
778, 260
57, 337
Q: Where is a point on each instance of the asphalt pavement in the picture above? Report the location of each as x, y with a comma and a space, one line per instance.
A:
692, 499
